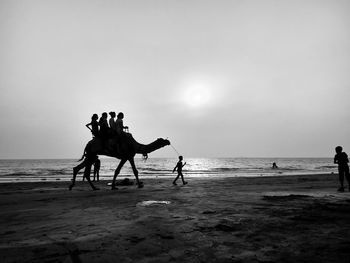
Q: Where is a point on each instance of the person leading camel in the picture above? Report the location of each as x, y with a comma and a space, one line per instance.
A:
178, 167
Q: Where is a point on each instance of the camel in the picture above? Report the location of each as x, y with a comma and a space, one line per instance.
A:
121, 147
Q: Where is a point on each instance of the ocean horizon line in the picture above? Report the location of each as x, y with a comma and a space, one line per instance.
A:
240, 157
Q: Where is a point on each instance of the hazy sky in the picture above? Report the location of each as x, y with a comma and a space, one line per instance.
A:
218, 78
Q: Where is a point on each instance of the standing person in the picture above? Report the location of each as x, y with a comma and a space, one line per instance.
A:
178, 167
341, 158
97, 166
94, 125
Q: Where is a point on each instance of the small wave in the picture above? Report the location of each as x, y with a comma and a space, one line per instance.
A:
19, 174
326, 167
224, 169
152, 202
58, 171
150, 170
155, 173
289, 169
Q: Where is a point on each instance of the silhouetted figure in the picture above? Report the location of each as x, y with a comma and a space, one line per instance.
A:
94, 125
97, 166
103, 126
121, 151
274, 166
178, 167
341, 158
119, 124
112, 123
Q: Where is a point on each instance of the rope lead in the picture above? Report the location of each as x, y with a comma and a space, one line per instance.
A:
175, 149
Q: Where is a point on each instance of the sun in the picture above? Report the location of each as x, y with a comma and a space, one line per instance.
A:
197, 96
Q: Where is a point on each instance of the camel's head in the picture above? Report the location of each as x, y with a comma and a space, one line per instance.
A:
157, 144
163, 142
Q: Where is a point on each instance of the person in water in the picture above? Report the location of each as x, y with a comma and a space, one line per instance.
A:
274, 166
119, 124
178, 167
341, 158
94, 125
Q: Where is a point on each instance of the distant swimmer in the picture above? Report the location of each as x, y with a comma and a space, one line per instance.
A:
178, 167
341, 158
274, 166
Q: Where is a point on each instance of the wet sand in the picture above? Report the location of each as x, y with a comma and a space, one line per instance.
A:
264, 219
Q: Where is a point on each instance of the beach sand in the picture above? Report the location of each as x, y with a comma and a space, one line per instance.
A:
263, 219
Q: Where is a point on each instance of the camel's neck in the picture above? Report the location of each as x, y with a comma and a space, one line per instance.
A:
148, 148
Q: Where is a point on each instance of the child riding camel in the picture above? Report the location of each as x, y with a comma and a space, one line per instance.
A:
94, 125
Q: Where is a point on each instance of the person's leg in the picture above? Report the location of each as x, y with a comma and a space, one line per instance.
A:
177, 177
182, 178
76, 169
87, 171
136, 172
117, 171
98, 175
341, 179
347, 176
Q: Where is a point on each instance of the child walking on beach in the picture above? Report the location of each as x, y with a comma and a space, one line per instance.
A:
178, 167
341, 158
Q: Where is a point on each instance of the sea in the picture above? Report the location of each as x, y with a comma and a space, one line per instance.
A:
36, 170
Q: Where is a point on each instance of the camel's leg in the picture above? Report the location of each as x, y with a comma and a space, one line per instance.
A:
117, 171
136, 173
76, 169
87, 172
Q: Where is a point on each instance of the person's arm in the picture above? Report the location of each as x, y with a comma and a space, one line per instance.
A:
124, 127
175, 168
184, 164
87, 126
335, 159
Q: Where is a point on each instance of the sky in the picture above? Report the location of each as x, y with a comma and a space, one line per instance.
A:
254, 78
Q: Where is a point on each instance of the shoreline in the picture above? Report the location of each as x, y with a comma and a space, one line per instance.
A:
157, 177
299, 218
